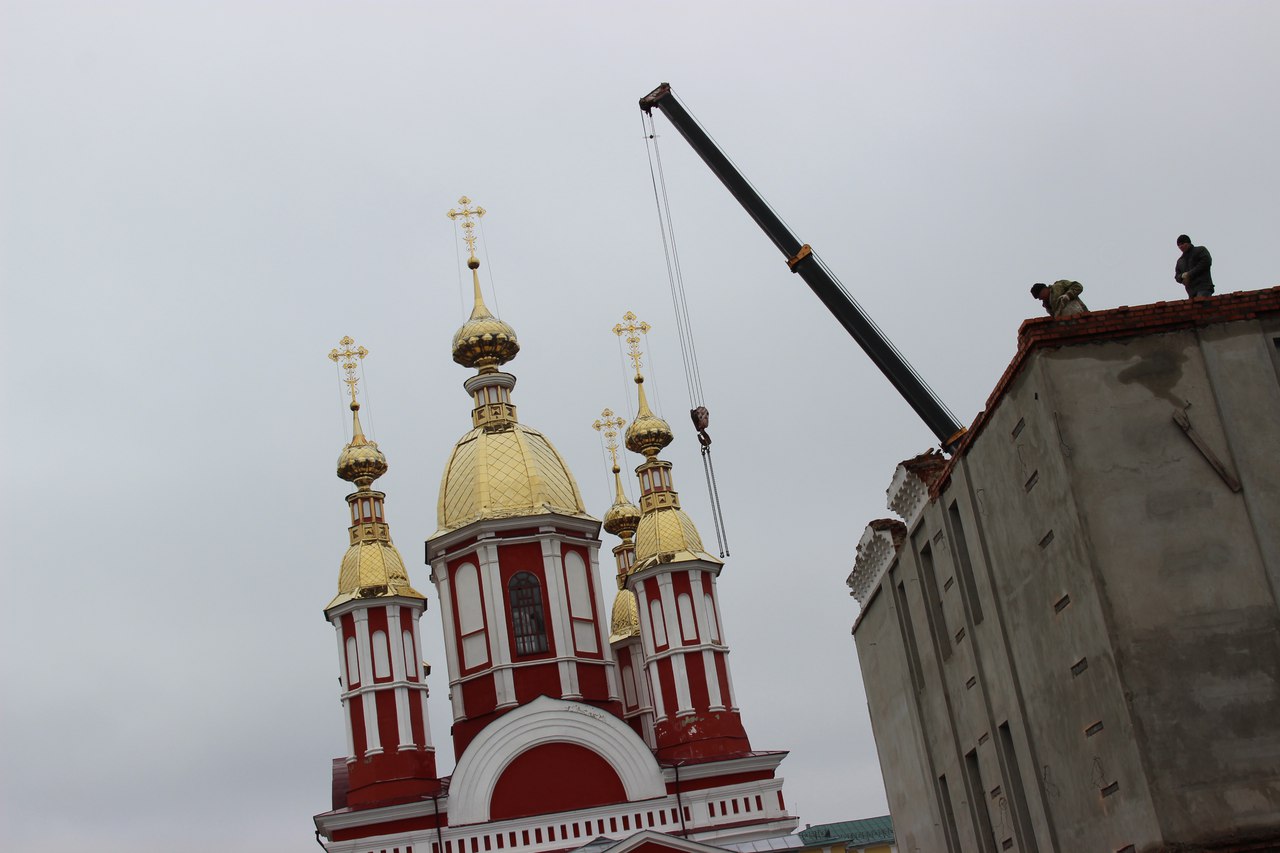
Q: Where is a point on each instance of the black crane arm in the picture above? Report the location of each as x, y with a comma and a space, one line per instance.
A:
802, 260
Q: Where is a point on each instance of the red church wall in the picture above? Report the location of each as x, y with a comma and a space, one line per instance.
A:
415, 719
479, 696
667, 684
722, 673
535, 681
388, 731
687, 785
581, 779
412, 667
592, 683
356, 707
524, 557
697, 671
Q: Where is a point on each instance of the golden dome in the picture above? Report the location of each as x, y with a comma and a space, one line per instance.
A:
668, 535
505, 473
625, 621
484, 340
648, 433
372, 569
622, 519
360, 462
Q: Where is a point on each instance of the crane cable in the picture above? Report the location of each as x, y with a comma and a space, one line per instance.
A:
698, 412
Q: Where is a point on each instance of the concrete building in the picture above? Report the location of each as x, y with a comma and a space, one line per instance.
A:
1070, 640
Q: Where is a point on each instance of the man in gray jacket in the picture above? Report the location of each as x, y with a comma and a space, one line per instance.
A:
1192, 269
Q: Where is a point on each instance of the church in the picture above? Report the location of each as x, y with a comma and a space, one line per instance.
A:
574, 723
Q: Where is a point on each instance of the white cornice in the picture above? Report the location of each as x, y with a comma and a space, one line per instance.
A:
707, 769
347, 819
483, 530
875, 554
907, 495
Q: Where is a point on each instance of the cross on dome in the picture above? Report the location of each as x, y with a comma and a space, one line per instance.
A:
465, 213
630, 331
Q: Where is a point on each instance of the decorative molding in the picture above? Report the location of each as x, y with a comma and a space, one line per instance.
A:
547, 720
907, 495
876, 551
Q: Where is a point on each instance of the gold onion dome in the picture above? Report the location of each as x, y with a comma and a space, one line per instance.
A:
623, 517
624, 622
648, 433
484, 340
361, 462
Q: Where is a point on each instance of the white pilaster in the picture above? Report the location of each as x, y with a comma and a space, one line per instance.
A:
342, 654
713, 680
373, 743
684, 700
558, 607
728, 677
655, 688
395, 643
440, 572
404, 725
646, 623
695, 594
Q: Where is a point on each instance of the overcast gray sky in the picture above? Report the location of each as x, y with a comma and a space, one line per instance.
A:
197, 200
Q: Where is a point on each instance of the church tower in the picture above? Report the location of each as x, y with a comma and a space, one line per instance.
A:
515, 557
375, 616
621, 520
674, 581
570, 722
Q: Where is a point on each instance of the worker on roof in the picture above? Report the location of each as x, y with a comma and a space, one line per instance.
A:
1192, 268
1060, 299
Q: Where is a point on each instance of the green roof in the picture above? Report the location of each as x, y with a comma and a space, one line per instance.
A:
872, 830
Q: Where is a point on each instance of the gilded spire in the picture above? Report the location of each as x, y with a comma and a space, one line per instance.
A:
360, 461
372, 566
648, 433
665, 533
621, 518
484, 341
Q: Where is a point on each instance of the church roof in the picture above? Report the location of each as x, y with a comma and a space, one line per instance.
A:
872, 830
506, 473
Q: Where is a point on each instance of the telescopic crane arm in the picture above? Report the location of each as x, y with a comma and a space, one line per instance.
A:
802, 260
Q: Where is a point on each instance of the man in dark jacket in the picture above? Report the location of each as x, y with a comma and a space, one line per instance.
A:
1192, 269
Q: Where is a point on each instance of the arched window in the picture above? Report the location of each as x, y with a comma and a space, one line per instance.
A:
524, 596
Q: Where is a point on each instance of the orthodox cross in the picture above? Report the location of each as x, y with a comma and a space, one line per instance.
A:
609, 425
468, 226
350, 358
630, 331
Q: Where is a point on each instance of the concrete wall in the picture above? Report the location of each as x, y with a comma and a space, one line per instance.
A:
1093, 610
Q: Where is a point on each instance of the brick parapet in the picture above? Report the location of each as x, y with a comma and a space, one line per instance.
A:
1110, 325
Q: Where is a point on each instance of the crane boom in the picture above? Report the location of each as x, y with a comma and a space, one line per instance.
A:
802, 260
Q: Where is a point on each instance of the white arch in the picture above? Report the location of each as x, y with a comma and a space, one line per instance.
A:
547, 720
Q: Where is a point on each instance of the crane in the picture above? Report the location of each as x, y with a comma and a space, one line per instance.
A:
801, 259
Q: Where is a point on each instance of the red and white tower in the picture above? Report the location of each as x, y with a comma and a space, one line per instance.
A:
515, 557
568, 725
674, 580
621, 519
375, 616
